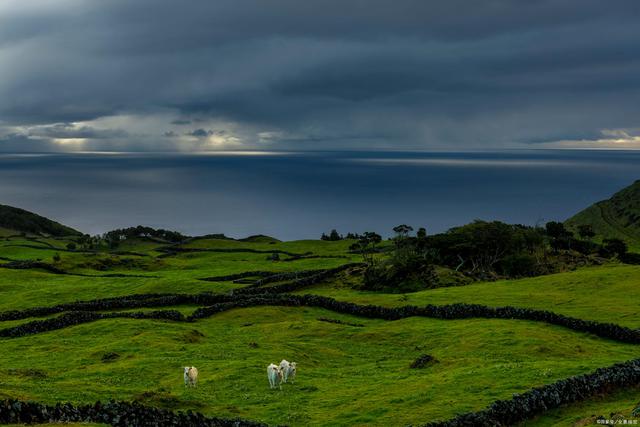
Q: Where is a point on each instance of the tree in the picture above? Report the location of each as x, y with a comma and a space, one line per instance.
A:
56, 257
585, 231
84, 240
422, 233
408, 269
366, 245
334, 235
560, 236
479, 247
615, 247
556, 229
402, 230
71, 246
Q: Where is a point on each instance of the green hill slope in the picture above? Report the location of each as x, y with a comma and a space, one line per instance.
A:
24, 221
617, 217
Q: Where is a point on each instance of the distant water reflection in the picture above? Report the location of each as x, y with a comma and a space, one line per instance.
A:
300, 195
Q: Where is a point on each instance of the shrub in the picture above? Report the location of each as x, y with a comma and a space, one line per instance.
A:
519, 265
407, 274
630, 258
274, 257
422, 361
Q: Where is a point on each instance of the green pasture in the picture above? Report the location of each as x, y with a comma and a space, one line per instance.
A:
351, 373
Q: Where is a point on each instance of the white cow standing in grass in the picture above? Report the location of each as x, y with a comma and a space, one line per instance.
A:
288, 370
190, 376
274, 373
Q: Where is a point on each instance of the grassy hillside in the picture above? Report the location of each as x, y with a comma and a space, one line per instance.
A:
21, 220
617, 217
348, 375
352, 370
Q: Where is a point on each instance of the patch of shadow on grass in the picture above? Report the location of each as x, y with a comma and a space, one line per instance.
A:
193, 336
109, 357
37, 374
423, 361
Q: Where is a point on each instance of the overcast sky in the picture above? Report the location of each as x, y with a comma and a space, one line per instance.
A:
158, 75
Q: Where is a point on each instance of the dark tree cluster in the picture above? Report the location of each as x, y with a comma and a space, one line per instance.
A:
484, 250
408, 267
561, 238
115, 236
335, 236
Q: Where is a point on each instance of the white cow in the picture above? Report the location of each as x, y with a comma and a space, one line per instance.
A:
190, 376
274, 373
288, 370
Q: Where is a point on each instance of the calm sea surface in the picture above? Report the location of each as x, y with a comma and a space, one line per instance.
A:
300, 195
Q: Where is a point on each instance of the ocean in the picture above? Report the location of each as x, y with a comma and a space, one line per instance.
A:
299, 195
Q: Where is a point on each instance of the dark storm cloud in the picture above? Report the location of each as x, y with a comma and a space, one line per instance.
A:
405, 74
200, 133
70, 131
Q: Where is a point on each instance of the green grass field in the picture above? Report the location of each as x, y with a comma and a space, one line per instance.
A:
617, 217
351, 373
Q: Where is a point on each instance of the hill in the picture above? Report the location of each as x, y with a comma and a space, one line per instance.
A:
259, 238
24, 221
617, 217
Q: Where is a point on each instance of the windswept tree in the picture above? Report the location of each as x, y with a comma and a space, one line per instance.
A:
402, 230
481, 248
366, 245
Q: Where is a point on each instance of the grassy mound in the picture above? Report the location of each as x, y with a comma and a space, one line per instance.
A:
617, 217
21, 220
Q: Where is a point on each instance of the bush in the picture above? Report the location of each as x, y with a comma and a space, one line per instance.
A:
408, 274
274, 257
630, 258
519, 265
614, 247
